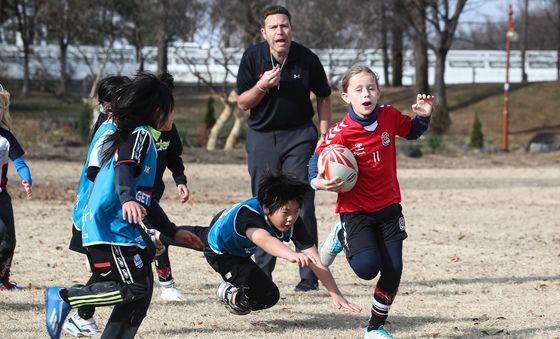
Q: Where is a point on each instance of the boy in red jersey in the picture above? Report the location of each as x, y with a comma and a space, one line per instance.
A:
371, 228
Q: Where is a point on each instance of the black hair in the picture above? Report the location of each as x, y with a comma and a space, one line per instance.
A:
106, 88
146, 100
108, 85
275, 9
276, 190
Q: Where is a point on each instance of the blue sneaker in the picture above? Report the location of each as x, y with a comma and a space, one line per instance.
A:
57, 310
380, 333
332, 246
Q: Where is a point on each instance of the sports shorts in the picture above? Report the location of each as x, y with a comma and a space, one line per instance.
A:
365, 230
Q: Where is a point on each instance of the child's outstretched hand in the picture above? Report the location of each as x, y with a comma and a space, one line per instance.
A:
302, 259
341, 303
27, 188
424, 105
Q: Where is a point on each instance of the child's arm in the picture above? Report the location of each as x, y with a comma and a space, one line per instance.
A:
275, 247
24, 174
326, 277
175, 165
124, 181
318, 181
424, 105
423, 110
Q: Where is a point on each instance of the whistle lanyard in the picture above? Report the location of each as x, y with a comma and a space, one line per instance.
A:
281, 66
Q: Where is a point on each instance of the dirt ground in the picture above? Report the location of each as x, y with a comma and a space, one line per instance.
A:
482, 257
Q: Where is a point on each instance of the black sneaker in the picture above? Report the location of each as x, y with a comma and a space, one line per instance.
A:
306, 285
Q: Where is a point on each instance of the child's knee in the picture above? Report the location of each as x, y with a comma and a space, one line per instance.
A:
365, 265
366, 271
263, 298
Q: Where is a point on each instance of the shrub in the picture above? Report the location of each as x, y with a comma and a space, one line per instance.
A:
435, 142
477, 138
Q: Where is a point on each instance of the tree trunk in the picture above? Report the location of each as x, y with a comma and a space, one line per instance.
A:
229, 107
162, 55
139, 54
25, 86
440, 120
63, 75
558, 40
524, 41
235, 130
397, 46
420, 48
238, 123
384, 46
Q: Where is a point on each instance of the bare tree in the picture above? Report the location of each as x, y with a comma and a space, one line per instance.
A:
160, 23
525, 24
416, 17
443, 21
384, 46
64, 20
397, 43
239, 20
25, 13
212, 59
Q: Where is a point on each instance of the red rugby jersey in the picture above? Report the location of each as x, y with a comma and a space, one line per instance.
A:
374, 148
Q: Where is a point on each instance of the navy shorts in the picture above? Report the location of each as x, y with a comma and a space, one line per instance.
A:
366, 230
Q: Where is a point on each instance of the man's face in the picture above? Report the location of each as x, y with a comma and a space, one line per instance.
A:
277, 32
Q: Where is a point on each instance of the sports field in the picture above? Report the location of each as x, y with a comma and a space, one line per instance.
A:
482, 257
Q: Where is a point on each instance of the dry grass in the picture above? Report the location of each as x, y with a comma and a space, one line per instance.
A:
481, 258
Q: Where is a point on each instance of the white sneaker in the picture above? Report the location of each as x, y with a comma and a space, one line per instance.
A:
171, 293
76, 326
332, 246
226, 293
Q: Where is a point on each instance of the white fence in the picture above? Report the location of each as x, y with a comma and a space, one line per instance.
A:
187, 60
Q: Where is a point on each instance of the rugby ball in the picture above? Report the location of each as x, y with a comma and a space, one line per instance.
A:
338, 161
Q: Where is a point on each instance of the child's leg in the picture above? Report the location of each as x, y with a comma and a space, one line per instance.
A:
119, 275
388, 283
163, 268
88, 312
126, 318
8, 244
256, 290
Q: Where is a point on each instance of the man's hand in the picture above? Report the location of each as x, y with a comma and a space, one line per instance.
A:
424, 105
188, 238
270, 78
183, 192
